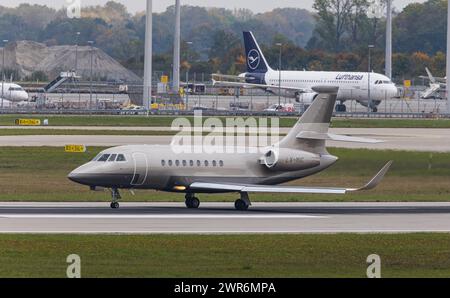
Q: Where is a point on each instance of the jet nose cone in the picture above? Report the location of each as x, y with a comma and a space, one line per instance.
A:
73, 177
78, 178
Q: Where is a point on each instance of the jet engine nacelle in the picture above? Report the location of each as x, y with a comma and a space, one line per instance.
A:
290, 160
306, 98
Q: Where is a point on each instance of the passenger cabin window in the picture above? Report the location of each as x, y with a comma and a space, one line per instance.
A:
170, 163
221, 163
163, 163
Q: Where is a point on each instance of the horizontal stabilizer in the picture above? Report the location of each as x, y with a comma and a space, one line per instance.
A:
311, 135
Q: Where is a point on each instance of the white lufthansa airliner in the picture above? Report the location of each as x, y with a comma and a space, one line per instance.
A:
300, 84
12, 92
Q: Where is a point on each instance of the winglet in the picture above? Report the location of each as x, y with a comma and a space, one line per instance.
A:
375, 180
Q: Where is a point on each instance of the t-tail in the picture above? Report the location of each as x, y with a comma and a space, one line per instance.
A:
311, 131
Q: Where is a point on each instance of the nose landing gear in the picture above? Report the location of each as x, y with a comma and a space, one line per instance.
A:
115, 196
341, 108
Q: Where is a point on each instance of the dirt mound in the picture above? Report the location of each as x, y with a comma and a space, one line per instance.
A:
28, 57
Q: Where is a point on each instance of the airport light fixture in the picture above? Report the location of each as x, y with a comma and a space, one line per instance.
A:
5, 41
76, 50
91, 43
369, 104
280, 45
188, 43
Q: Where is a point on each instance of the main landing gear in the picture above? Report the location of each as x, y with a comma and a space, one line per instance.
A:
243, 203
341, 108
115, 196
191, 201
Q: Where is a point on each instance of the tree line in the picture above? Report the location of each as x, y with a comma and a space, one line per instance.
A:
334, 36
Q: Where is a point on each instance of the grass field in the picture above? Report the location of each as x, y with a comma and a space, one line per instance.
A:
158, 121
342, 255
39, 174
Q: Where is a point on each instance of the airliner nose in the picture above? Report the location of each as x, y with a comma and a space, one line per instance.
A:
24, 96
394, 91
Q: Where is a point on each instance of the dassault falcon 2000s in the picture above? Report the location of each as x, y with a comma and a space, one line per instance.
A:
300, 154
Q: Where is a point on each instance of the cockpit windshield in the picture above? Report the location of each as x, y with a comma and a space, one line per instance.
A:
381, 82
110, 158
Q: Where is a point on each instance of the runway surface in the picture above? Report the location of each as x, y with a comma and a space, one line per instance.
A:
410, 139
221, 218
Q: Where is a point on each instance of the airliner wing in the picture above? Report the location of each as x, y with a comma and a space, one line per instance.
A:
311, 135
219, 77
290, 189
249, 85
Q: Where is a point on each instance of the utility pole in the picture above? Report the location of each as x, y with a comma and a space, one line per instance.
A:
92, 65
448, 58
147, 92
76, 51
279, 73
176, 49
188, 43
5, 41
369, 105
388, 66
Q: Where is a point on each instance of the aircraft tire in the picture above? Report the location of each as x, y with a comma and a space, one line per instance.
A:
341, 108
115, 205
192, 203
241, 205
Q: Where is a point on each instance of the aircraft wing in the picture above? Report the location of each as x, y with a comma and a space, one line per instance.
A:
263, 86
219, 77
290, 189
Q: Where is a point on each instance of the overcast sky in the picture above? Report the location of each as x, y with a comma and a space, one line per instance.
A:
160, 5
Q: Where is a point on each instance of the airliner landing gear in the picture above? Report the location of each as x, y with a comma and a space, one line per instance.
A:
115, 195
341, 107
191, 201
243, 203
375, 110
